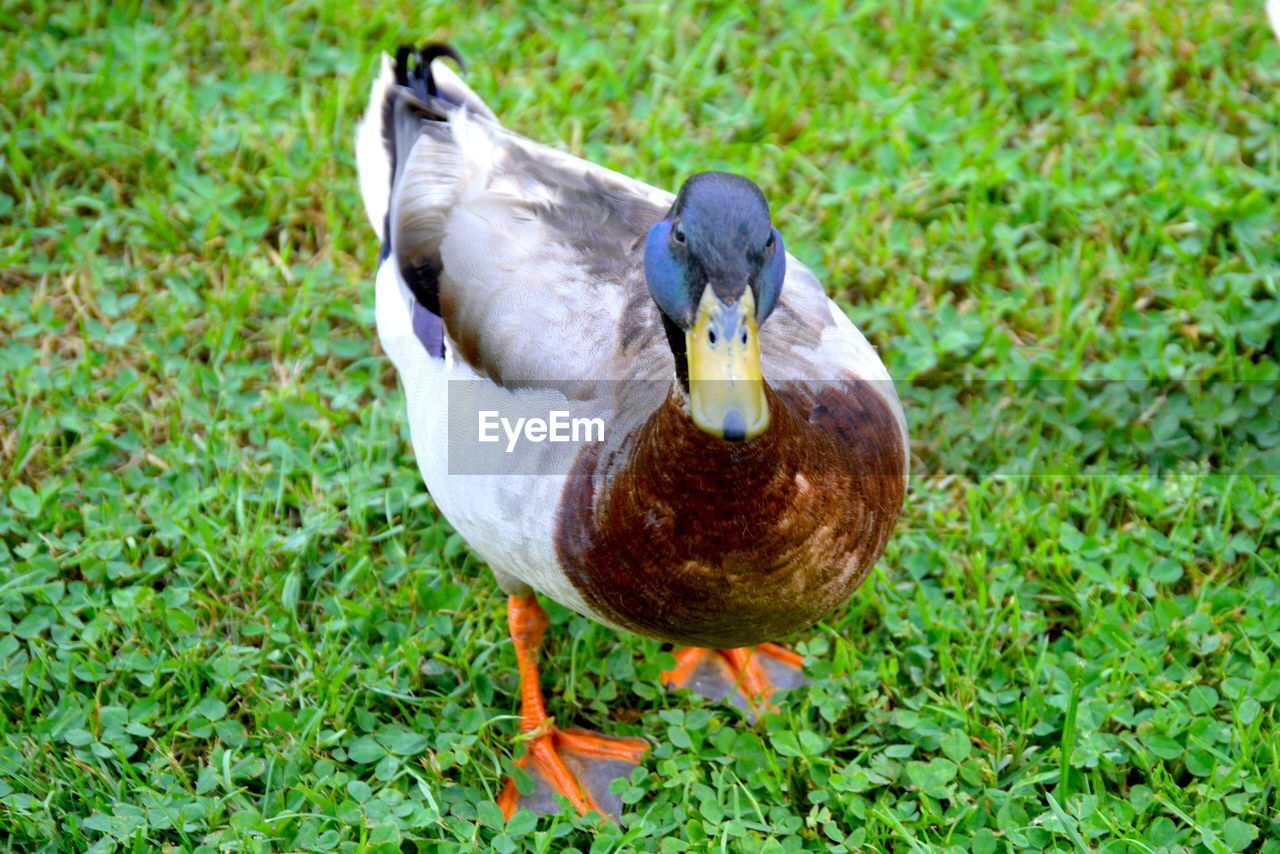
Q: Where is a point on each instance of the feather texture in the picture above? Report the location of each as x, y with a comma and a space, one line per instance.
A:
533, 261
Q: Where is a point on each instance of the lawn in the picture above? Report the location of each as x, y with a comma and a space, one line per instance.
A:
231, 619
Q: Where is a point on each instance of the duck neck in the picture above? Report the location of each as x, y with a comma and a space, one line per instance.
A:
676, 341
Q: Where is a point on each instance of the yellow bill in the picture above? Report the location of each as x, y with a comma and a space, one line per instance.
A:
726, 389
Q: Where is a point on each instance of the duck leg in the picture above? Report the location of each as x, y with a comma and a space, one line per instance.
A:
576, 763
746, 676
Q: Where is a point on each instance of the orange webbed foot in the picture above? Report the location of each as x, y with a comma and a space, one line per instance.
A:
747, 677
575, 763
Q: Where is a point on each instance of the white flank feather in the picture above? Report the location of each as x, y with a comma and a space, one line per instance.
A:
372, 160
451, 87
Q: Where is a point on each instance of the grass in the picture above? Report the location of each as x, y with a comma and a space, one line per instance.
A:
230, 618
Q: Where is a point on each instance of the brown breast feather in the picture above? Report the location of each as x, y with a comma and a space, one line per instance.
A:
692, 540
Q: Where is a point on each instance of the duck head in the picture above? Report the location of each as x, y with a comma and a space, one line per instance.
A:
715, 266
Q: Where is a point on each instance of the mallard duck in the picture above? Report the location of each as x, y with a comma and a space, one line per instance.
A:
753, 453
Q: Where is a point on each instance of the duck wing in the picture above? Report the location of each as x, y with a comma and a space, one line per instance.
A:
531, 257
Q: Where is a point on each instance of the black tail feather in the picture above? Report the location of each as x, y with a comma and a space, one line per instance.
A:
413, 72
418, 78
402, 119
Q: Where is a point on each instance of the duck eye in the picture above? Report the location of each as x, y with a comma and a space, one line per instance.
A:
677, 234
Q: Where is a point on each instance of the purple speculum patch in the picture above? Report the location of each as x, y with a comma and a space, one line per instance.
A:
429, 329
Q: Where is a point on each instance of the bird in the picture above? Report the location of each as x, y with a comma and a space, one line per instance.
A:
747, 456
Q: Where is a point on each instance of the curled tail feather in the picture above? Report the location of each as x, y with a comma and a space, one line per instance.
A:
434, 90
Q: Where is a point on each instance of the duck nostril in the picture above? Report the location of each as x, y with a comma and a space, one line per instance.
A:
711, 335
